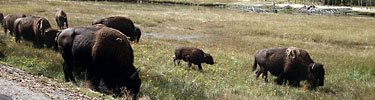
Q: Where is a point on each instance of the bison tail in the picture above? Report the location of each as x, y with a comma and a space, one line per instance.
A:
254, 65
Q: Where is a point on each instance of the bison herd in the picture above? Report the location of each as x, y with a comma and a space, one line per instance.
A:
103, 50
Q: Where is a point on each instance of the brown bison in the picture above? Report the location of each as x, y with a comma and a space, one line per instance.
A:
106, 55
291, 64
61, 19
35, 29
192, 55
123, 24
8, 22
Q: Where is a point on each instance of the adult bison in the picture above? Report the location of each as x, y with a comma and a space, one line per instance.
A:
192, 55
36, 29
123, 24
61, 19
291, 64
8, 22
104, 52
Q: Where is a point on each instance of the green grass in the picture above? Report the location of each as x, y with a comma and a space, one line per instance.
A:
343, 44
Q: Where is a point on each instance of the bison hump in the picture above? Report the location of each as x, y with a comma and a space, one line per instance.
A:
112, 47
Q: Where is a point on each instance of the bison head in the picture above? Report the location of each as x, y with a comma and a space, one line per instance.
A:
208, 59
99, 21
50, 36
316, 75
136, 35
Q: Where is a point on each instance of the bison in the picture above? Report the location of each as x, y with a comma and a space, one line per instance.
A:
8, 22
291, 64
192, 55
123, 24
61, 19
36, 29
104, 52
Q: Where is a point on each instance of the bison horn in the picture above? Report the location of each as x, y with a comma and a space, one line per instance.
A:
133, 75
119, 40
313, 66
40, 24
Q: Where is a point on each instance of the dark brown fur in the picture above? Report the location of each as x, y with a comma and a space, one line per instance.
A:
61, 19
192, 55
104, 52
35, 29
123, 24
293, 66
8, 22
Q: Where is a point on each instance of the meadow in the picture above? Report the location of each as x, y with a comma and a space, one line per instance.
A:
345, 45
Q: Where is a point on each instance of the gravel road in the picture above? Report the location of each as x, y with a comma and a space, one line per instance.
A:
16, 84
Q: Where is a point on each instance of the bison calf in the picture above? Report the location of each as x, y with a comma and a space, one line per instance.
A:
291, 64
61, 19
192, 55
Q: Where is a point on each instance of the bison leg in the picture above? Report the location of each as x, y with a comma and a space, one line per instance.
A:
294, 83
200, 66
66, 23
178, 62
265, 74
57, 22
258, 73
94, 81
174, 61
189, 64
68, 72
5, 28
279, 80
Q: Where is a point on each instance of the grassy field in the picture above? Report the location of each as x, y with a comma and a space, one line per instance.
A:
345, 45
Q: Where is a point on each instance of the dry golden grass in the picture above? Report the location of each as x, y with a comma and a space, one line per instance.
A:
343, 44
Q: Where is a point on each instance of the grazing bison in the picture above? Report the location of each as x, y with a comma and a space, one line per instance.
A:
104, 52
35, 29
123, 24
61, 19
291, 64
192, 55
8, 22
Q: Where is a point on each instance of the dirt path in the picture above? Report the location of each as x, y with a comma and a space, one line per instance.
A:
18, 84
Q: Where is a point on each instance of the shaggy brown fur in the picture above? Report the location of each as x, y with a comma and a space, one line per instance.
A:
192, 55
8, 22
113, 57
104, 52
35, 29
61, 19
292, 64
123, 24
